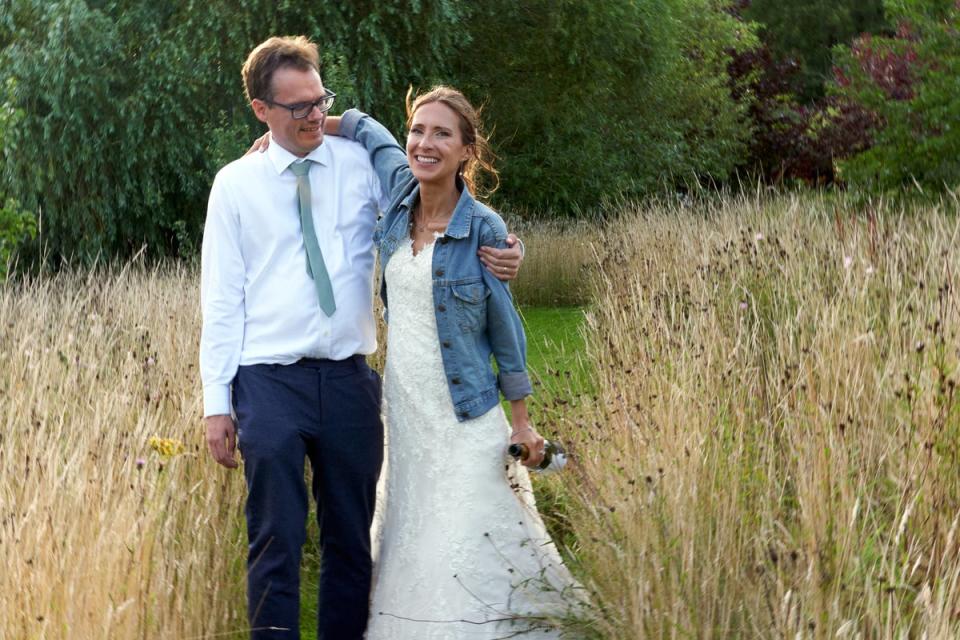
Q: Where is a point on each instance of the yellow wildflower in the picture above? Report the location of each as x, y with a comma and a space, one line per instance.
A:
166, 447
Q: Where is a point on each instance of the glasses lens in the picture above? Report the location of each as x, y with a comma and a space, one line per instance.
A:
301, 110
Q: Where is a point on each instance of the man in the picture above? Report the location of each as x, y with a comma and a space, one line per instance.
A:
286, 292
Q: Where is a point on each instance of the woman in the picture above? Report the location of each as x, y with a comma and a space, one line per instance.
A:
463, 553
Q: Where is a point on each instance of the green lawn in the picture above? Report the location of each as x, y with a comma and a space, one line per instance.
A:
554, 348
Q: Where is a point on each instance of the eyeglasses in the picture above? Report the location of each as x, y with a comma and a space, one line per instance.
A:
301, 110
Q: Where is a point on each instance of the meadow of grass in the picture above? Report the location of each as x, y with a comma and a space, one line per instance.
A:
762, 407
557, 263
102, 535
772, 450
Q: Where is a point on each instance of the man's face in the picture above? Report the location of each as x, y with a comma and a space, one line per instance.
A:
291, 86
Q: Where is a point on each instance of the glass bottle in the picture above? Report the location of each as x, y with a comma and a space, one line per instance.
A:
554, 456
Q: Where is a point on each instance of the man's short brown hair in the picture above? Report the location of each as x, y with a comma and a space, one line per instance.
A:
289, 51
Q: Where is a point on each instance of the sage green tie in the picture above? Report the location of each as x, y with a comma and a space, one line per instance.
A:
316, 269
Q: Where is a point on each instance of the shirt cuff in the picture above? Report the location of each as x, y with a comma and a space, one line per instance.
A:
515, 386
216, 400
348, 123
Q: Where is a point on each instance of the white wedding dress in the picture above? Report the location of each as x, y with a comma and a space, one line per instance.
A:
462, 550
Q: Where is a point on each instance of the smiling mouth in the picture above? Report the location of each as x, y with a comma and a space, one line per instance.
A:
310, 129
426, 160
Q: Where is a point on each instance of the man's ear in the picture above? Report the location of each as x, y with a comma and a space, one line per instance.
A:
259, 109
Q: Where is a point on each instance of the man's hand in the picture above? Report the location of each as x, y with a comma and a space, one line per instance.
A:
503, 263
222, 440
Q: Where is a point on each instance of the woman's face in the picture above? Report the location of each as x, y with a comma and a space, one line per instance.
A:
435, 146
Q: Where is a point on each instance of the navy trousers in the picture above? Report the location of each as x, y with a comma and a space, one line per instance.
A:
328, 412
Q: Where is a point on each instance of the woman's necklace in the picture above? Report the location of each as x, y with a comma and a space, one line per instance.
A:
423, 227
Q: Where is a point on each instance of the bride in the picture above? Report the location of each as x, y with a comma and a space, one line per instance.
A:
463, 553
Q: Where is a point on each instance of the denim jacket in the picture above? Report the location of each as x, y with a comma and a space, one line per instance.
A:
474, 310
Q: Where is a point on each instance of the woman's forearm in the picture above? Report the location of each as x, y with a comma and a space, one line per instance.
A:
519, 416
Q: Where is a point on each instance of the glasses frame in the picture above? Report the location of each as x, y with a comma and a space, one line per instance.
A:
324, 104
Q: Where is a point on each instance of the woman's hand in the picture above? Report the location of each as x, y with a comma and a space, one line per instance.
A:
331, 125
527, 435
260, 144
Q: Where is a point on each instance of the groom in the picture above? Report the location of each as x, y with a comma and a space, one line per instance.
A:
287, 295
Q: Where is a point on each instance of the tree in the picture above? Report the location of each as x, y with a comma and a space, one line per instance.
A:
16, 225
911, 82
130, 106
803, 35
594, 100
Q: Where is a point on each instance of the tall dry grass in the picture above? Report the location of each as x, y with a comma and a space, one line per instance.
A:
773, 451
100, 535
557, 262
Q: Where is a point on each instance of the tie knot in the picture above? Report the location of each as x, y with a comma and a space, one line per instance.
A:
301, 168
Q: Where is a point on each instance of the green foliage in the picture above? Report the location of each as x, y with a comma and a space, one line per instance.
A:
595, 100
115, 108
129, 107
912, 82
389, 45
16, 226
805, 32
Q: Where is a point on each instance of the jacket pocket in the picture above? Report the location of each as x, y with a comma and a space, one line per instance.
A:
470, 300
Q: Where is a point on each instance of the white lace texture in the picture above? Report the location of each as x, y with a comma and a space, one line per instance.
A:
462, 550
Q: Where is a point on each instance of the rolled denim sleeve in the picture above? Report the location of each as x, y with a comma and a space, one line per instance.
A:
387, 156
504, 328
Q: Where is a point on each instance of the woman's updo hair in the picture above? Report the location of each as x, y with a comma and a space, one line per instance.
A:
477, 171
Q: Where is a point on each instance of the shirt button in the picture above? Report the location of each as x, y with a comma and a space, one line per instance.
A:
455, 381
439, 272
446, 344
441, 308
464, 414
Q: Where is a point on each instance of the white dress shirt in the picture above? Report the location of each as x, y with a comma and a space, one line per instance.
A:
259, 304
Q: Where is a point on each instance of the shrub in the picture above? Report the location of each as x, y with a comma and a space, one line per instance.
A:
16, 225
802, 34
591, 100
130, 107
909, 81
794, 141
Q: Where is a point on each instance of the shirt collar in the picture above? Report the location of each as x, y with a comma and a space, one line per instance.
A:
280, 158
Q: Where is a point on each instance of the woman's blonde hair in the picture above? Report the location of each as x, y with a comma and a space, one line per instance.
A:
478, 171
